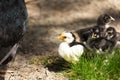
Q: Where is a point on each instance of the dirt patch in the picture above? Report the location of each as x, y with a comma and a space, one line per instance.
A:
21, 69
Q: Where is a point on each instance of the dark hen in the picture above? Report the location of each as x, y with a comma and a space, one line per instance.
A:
13, 17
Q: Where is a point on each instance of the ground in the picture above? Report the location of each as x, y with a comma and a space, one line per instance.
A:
47, 19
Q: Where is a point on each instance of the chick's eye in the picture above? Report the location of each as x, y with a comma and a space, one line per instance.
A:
106, 17
65, 37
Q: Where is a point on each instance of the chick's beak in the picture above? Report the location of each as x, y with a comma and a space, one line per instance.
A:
60, 37
112, 18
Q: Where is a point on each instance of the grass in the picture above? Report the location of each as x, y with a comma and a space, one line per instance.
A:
38, 60
53, 63
105, 67
90, 67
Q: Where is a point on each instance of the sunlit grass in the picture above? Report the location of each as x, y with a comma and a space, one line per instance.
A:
89, 67
105, 67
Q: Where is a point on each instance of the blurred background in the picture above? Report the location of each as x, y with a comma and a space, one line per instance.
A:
48, 18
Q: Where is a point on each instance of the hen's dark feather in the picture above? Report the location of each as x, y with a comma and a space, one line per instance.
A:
13, 16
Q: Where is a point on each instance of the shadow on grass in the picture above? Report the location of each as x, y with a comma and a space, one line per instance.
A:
58, 65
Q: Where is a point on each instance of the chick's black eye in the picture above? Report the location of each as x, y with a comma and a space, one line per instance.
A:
106, 17
65, 37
